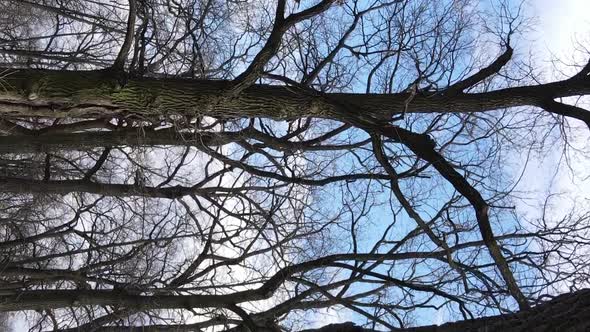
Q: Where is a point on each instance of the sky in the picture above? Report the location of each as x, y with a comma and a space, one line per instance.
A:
559, 24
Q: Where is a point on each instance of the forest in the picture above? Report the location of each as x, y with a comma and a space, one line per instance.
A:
290, 165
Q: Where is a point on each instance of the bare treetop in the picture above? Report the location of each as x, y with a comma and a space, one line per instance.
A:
217, 165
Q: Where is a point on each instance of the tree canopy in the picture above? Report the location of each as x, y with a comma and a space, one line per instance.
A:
280, 165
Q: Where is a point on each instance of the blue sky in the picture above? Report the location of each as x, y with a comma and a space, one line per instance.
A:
559, 24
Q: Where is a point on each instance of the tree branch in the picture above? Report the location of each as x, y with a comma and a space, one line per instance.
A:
424, 148
85, 94
482, 74
567, 110
281, 25
119, 63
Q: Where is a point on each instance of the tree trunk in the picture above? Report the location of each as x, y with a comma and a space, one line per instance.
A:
63, 187
566, 313
97, 94
128, 137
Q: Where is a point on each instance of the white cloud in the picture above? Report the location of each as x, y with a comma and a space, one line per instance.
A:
560, 24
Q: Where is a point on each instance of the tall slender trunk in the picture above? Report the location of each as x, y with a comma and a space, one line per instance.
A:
127, 137
62, 187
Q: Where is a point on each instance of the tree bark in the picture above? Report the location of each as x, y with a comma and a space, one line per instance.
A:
128, 137
566, 313
96, 94
63, 187
34, 300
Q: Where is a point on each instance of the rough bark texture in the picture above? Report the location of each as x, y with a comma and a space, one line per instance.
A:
91, 94
566, 313
49, 299
130, 137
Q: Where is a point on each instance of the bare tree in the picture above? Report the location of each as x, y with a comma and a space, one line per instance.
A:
247, 165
